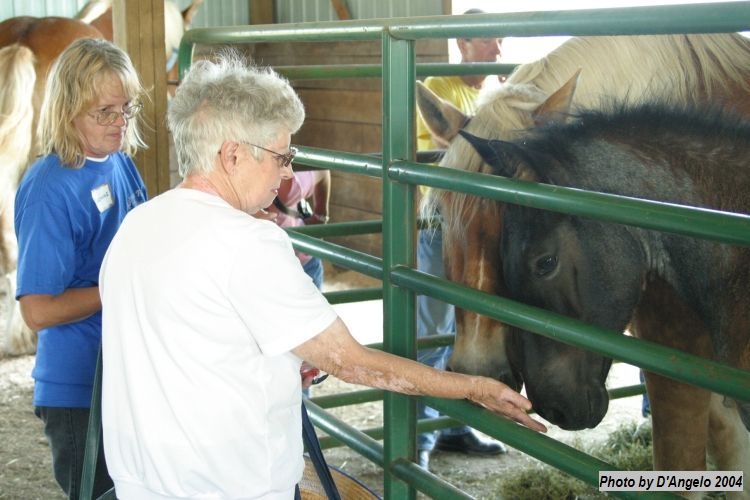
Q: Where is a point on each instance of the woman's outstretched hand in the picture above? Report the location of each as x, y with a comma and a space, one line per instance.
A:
501, 399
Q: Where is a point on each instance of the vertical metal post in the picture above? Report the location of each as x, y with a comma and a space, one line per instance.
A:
399, 230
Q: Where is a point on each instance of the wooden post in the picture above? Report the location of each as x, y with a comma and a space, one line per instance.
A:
342, 10
139, 29
261, 12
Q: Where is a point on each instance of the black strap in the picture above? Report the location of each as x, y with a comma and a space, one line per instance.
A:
316, 455
93, 435
304, 210
283, 208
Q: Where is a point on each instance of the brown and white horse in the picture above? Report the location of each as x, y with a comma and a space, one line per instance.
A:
681, 69
28, 47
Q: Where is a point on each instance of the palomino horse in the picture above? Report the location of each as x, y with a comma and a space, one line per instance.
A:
28, 47
15, 135
679, 68
604, 273
48, 36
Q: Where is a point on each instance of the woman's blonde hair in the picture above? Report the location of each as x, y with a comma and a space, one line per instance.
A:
73, 86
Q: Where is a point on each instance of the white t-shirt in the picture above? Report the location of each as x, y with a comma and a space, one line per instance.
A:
201, 395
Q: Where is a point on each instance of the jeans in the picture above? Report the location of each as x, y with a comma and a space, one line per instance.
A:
314, 269
434, 317
645, 403
65, 429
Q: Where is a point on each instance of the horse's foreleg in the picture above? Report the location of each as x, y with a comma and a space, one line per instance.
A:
729, 442
679, 412
680, 423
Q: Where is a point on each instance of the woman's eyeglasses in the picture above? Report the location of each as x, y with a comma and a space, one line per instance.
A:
283, 160
104, 117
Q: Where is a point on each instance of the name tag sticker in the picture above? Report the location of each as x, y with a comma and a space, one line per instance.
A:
102, 196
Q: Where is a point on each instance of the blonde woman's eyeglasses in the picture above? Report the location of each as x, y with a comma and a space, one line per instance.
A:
104, 117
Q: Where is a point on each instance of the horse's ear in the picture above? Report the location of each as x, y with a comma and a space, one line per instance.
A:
441, 117
189, 12
557, 106
93, 10
505, 158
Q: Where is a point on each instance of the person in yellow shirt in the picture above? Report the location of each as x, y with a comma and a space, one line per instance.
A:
462, 91
435, 317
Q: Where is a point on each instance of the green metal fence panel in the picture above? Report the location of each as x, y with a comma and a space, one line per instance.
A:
400, 175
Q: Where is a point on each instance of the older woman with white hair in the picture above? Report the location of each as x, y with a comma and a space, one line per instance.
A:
208, 314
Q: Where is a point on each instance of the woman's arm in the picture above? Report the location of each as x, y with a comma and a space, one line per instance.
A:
338, 353
74, 304
321, 195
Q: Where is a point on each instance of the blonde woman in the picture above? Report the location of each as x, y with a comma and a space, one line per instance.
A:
69, 205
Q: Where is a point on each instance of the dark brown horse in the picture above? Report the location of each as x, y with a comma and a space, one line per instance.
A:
683, 69
604, 273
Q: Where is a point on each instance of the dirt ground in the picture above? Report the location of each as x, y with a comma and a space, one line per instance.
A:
25, 463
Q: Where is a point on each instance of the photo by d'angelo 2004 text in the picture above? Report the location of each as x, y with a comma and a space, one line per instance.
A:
671, 481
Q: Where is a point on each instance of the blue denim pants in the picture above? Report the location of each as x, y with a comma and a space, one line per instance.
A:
434, 317
314, 269
65, 429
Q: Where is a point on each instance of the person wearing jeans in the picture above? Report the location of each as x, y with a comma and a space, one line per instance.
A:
435, 317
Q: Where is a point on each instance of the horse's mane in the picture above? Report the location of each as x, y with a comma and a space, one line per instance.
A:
634, 68
629, 69
174, 27
16, 112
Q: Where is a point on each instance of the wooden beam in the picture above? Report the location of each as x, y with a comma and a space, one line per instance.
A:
139, 29
261, 12
342, 10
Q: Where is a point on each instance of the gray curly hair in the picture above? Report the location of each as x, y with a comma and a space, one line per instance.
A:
229, 99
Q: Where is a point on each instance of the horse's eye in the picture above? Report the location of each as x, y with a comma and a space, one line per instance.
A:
545, 265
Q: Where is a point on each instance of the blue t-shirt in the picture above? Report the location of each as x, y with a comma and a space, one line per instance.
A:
65, 219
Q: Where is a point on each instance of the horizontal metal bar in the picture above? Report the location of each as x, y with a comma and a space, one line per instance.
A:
424, 425
627, 391
425, 342
558, 454
695, 18
354, 439
356, 295
340, 255
348, 398
651, 356
351, 228
689, 221
651, 20
328, 71
342, 161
